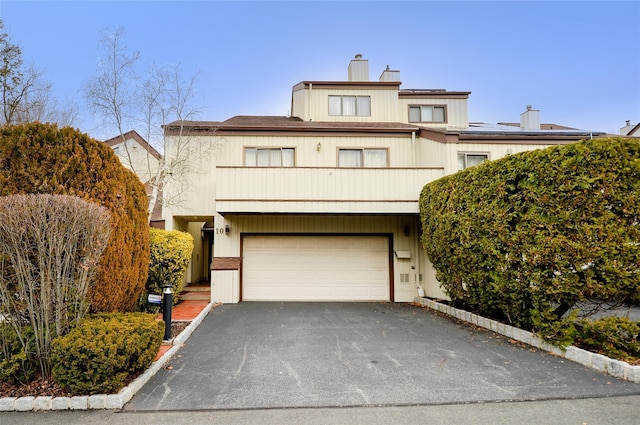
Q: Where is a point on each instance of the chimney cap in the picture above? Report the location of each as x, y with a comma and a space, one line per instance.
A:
358, 56
529, 107
628, 122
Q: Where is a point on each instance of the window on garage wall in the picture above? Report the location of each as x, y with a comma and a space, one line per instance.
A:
269, 157
358, 158
469, 159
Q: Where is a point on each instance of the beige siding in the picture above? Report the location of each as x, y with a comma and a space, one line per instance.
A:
313, 104
495, 151
293, 190
309, 154
229, 245
299, 104
138, 159
194, 193
383, 105
457, 112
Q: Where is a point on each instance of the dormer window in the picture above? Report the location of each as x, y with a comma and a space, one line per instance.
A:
427, 113
350, 106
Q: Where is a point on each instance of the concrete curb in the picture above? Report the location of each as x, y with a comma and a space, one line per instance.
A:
103, 401
617, 368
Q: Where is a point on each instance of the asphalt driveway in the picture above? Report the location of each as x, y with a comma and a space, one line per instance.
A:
278, 355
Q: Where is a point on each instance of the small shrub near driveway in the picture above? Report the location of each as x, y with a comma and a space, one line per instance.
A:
170, 254
101, 354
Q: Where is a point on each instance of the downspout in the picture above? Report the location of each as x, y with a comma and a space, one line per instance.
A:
309, 102
418, 270
413, 148
416, 239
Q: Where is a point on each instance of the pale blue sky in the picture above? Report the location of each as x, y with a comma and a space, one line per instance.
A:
578, 62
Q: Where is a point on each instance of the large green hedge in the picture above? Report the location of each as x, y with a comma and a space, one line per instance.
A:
41, 158
523, 238
170, 255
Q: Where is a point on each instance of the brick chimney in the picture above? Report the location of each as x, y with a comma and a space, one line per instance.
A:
359, 69
530, 119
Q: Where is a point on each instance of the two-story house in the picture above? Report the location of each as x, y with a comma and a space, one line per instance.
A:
322, 205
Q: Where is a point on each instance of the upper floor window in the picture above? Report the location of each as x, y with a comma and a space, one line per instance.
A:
350, 105
426, 113
466, 160
368, 158
269, 157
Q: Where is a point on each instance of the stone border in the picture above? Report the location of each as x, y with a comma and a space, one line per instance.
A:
617, 368
102, 401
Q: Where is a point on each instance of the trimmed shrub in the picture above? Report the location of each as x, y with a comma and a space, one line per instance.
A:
17, 365
170, 254
104, 351
523, 238
41, 158
615, 337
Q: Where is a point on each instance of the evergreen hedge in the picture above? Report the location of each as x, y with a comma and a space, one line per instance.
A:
523, 238
104, 351
41, 158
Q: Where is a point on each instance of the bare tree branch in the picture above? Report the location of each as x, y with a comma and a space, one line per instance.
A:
25, 95
123, 100
50, 246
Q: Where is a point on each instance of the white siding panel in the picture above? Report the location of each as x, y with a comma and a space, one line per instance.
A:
366, 190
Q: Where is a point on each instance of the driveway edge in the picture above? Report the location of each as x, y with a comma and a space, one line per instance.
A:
616, 368
103, 401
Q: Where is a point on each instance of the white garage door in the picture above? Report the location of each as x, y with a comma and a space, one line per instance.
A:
315, 268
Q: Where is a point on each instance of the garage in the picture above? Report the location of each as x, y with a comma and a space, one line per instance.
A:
315, 268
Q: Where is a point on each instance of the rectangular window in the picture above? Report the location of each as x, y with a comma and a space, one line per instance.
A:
466, 160
350, 106
427, 113
358, 158
269, 157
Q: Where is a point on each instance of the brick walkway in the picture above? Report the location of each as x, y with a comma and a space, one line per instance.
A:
186, 311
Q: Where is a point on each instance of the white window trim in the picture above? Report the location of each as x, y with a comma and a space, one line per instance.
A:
362, 157
357, 111
466, 154
419, 107
268, 148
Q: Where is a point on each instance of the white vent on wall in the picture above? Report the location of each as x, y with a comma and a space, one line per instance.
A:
404, 277
403, 254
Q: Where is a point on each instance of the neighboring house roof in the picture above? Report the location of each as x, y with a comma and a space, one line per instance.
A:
634, 130
129, 135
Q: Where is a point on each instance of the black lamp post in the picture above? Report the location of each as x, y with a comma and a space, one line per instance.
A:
167, 301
